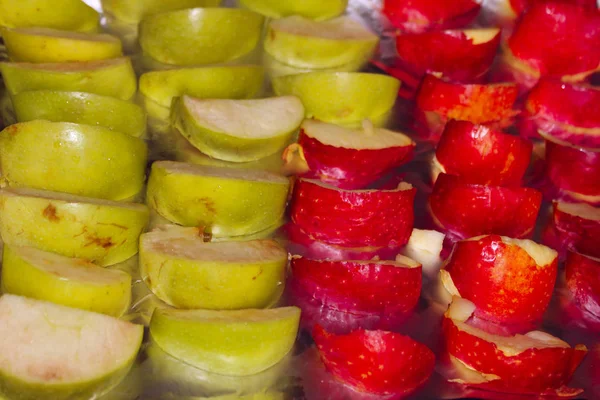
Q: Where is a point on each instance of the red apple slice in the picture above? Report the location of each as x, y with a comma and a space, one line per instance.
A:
423, 15
565, 113
577, 227
509, 280
583, 281
344, 157
353, 218
481, 155
377, 362
535, 363
466, 210
461, 55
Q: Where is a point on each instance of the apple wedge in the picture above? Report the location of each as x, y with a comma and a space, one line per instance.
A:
236, 343
466, 210
45, 45
420, 16
575, 226
376, 362
133, 11
341, 97
62, 353
304, 43
425, 247
72, 282
344, 157
534, 363
313, 9
186, 272
508, 280
203, 35
460, 55
583, 282
114, 77
57, 155
238, 130
353, 218
70, 15
209, 197
481, 155
81, 108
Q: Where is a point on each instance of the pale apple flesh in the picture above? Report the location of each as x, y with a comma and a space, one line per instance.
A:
313, 9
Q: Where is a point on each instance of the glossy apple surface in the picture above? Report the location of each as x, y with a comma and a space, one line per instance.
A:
574, 226
424, 15
583, 281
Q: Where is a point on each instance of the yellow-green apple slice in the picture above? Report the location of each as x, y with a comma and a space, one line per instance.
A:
341, 97
50, 351
313, 9
304, 43
82, 108
224, 202
339, 156
237, 343
276, 68
71, 15
45, 45
72, 282
102, 231
114, 77
203, 35
238, 130
72, 158
186, 272
133, 11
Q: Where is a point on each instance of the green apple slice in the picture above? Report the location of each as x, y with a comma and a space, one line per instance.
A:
313, 9
186, 272
203, 35
50, 351
238, 130
304, 43
237, 343
46, 45
225, 202
102, 231
70, 15
81, 108
72, 158
341, 97
276, 68
114, 77
72, 282
133, 11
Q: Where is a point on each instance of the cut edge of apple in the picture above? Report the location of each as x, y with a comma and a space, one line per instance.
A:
402, 186
581, 210
71, 66
542, 255
340, 28
480, 36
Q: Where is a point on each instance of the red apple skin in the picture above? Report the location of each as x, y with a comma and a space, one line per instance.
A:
501, 279
417, 16
580, 233
467, 210
378, 362
483, 156
349, 168
521, 5
353, 218
572, 169
450, 53
583, 281
567, 113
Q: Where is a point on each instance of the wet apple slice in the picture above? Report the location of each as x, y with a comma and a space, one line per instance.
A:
534, 363
574, 226
70, 15
481, 155
72, 282
186, 272
53, 351
303, 43
378, 362
238, 130
203, 35
508, 280
237, 343
428, 15
353, 217
133, 11
313, 9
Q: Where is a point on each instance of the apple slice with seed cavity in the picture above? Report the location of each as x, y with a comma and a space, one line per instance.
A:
313, 9
534, 363
509, 280
576, 226
209, 197
235, 343
62, 353
353, 217
102, 231
72, 282
70, 15
428, 15
238, 130
114, 77
344, 157
186, 272
378, 362
133, 11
